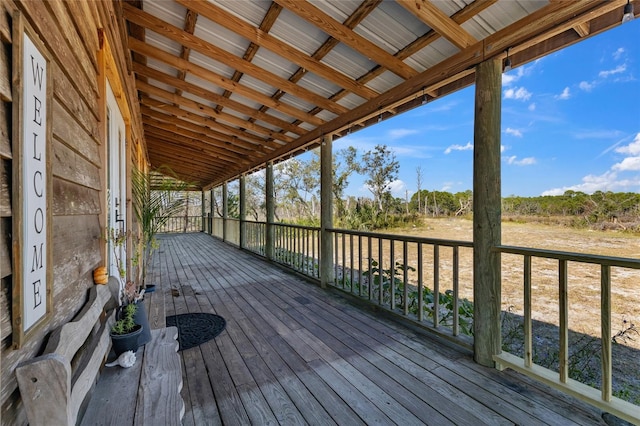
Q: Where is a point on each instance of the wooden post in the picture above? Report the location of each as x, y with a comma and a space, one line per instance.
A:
270, 201
243, 210
225, 211
204, 229
486, 212
211, 211
326, 211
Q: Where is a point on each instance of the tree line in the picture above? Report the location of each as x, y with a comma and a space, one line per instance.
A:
297, 197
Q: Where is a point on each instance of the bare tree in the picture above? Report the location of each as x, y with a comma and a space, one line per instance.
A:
419, 184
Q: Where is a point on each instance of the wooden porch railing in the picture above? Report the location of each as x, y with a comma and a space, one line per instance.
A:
298, 247
602, 398
175, 224
416, 278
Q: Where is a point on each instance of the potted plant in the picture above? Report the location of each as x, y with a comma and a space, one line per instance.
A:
125, 332
156, 197
131, 310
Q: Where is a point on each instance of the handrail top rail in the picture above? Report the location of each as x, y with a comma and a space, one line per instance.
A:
571, 256
405, 238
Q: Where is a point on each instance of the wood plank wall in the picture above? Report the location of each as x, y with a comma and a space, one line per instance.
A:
69, 29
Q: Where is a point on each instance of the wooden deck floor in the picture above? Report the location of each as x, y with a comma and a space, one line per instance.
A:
293, 354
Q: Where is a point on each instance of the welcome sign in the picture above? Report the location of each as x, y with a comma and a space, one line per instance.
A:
32, 281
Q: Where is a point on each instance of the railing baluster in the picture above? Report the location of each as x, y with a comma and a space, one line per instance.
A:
392, 284
456, 290
344, 261
528, 339
380, 295
370, 266
605, 324
351, 260
436, 285
360, 265
335, 255
420, 286
564, 320
405, 277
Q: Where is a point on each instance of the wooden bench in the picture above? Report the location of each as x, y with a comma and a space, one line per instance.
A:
65, 385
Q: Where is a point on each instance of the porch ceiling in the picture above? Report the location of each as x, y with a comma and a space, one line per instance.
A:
226, 85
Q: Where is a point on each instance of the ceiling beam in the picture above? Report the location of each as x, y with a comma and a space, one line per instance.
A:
183, 102
220, 55
267, 22
264, 39
337, 30
216, 144
429, 13
423, 41
171, 120
206, 122
218, 80
196, 145
215, 98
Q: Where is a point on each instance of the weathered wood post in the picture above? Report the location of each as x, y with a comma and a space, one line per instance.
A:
486, 212
326, 211
203, 228
225, 210
243, 211
211, 211
270, 201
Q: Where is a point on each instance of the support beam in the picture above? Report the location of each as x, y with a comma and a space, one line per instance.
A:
486, 212
243, 210
211, 200
225, 210
271, 209
326, 211
204, 229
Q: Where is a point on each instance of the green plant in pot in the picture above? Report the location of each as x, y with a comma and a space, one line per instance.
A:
157, 196
131, 320
125, 331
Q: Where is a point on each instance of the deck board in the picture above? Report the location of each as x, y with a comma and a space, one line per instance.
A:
293, 353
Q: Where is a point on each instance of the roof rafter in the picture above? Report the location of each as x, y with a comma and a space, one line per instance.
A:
347, 36
264, 39
441, 23
208, 75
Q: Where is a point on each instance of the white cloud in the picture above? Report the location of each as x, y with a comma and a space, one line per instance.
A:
566, 94
632, 149
513, 160
532, 107
586, 86
618, 53
607, 181
597, 134
517, 93
398, 188
400, 133
628, 164
611, 180
514, 132
617, 70
467, 147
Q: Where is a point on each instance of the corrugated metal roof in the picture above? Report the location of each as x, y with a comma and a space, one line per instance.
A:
273, 77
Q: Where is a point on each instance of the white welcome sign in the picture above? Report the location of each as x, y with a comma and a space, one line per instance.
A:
34, 172
32, 282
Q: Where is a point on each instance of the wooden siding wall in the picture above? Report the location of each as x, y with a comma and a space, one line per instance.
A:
69, 29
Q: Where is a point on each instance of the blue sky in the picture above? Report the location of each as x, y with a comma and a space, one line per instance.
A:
570, 120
